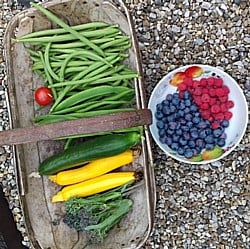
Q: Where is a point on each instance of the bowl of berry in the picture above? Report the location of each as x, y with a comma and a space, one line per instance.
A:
200, 114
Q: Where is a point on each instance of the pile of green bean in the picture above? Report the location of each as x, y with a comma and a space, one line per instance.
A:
84, 67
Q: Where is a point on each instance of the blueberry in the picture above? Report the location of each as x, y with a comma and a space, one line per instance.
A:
172, 108
182, 121
165, 140
186, 136
161, 132
190, 124
200, 143
188, 153
166, 110
176, 96
225, 123
182, 105
196, 120
174, 146
208, 131
209, 139
202, 134
158, 115
209, 146
181, 113
187, 110
160, 124
188, 116
164, 120
172, 125
194, 133
170, 118
195, 152
165, 102
175, 138
197, 114
180, 151
170, 131
218, 132
193, 108
169, 140
187, 102
202, 124
169, 97
178, 132
186, 95
182, 141
159, 107
191, 144
175, 101
185, 128
221, 142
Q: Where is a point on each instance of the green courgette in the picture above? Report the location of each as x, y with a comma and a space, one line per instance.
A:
92, 149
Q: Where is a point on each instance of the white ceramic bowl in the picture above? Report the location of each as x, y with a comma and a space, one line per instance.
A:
238, 123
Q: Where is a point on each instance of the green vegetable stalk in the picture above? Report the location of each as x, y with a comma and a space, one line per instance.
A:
97, 214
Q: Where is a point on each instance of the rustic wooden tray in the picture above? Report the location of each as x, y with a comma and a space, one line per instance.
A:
42, 218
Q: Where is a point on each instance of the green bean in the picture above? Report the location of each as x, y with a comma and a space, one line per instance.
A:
84, 26
47, 63
67, 28
89, 94
77, 44
95, 80
115, 42
106, 33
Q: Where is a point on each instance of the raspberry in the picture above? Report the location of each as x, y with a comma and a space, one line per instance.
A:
196, 83
197, 100
205, 98
226, 89
210, 119
223, 107
181, 94
197, 91
224, 99
210, 81
203, 82
205, 90
219, 116
228, 115
182, 87
218, 82
220, 92
212, 92
205, 114
230, 104
188, 81
204, 106
212, 101
215, 125
215, 109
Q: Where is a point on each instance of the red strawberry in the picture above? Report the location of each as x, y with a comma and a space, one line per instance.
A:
193, 71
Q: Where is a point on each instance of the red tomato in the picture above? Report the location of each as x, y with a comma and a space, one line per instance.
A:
43, 96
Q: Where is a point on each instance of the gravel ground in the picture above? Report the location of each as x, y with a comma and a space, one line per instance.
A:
198, 207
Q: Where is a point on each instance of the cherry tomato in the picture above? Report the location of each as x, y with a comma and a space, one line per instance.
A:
43, 96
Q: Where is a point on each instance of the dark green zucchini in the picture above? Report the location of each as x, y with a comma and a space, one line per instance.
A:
95, 148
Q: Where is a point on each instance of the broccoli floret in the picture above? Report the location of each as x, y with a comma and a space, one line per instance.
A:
97, 214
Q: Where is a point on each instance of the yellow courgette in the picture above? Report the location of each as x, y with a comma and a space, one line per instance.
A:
95, 185
93, 169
